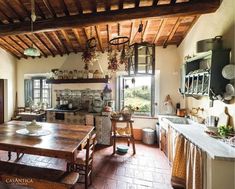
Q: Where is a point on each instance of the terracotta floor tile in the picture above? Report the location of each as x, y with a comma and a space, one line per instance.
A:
143, 182
148, 169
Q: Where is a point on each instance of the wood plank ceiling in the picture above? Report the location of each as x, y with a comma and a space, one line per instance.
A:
63, 26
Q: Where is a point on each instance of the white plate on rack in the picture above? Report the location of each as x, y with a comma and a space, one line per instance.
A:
41, 132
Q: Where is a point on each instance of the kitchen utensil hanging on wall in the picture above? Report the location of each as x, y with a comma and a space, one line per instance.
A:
228, 71
210, 44
230, 92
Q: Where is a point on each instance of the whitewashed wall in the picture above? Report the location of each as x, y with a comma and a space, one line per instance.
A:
8, 72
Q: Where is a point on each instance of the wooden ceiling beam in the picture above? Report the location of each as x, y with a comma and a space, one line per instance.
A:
137, 3
44, 44
119, 31
190, 27
84, 20
17, 45
108, 33
52, 43
120, 4
79, 6
172, 33
131, 33
99, 38
159, 31
22, 41
21, 5
75, 31
64, 33
10, 48
145, 29
49, 8
65, 9
94, 6
10, 20
107, 5
57, 38
155, 2
13, 10
39, 11
85, 33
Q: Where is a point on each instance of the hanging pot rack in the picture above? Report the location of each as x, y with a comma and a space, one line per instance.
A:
119, 40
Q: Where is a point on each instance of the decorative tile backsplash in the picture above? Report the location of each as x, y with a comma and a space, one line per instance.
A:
87, 100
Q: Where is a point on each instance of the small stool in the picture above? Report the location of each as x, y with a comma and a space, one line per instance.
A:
126, 133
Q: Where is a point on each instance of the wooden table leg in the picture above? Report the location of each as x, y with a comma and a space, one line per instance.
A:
9, 155
19, 155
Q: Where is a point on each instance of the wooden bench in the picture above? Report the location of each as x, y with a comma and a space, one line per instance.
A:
36, 177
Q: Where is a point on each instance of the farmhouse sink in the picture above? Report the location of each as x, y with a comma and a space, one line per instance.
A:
178, 120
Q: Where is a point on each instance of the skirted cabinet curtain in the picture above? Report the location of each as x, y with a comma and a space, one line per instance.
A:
187, 169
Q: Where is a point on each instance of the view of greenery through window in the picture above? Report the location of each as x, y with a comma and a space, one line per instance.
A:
137, 93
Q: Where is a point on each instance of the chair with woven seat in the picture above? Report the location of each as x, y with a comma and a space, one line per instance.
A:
84, 162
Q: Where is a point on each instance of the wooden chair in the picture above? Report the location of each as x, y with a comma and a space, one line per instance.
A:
84, 162
125, 133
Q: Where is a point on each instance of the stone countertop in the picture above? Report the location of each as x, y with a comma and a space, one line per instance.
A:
194, 132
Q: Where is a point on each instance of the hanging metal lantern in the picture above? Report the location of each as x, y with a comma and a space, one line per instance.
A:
142, 59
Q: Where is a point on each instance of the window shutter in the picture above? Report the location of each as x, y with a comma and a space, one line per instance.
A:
28, 91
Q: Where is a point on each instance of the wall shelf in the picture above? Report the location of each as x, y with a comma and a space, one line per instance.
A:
89, 80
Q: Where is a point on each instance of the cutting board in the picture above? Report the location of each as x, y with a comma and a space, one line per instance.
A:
223, 119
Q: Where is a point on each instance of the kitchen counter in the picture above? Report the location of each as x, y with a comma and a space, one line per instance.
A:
219, 159
194, 132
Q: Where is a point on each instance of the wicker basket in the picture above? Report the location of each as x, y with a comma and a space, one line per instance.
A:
126, 116
116, 116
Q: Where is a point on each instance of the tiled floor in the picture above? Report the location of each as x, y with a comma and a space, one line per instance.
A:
147, 169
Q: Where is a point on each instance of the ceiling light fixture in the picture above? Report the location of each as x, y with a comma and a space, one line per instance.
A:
32, 51
142, 59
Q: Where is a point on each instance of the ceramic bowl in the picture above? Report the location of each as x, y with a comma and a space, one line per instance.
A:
33, 127
122, 148
211, 129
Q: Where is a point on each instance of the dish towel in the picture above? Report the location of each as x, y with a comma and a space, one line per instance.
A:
194, 177
178, 176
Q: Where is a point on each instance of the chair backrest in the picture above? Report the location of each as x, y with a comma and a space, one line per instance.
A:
20, 109
90, 147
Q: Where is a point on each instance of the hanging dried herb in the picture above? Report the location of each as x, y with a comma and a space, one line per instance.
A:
113, 62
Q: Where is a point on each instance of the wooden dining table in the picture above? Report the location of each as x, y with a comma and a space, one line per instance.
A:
63, 140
